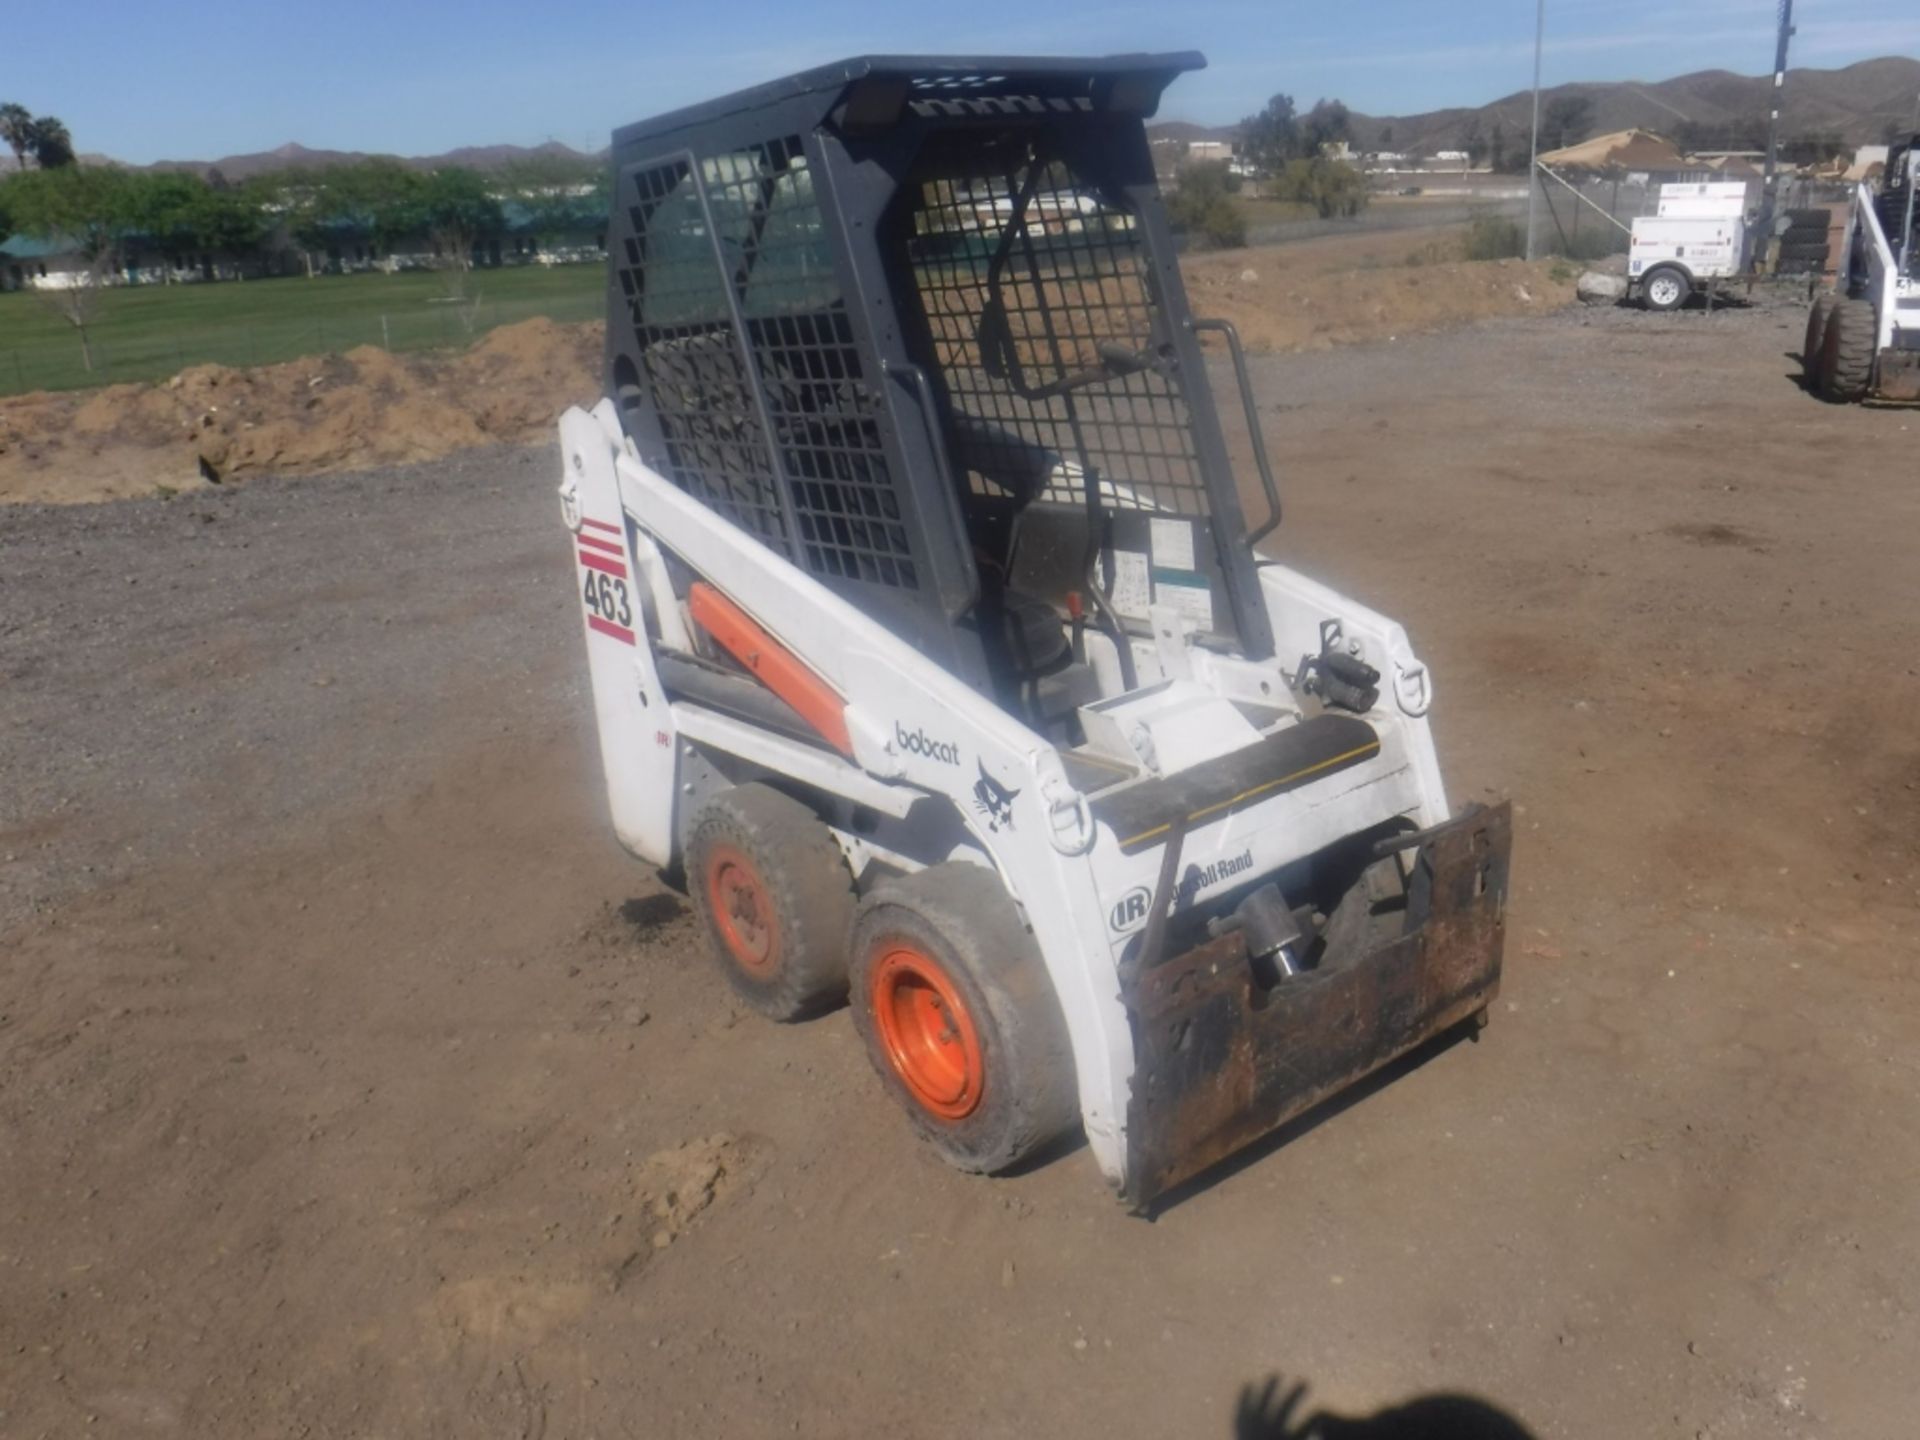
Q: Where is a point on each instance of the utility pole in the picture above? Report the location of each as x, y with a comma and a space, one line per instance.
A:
1763, 226
1533, 148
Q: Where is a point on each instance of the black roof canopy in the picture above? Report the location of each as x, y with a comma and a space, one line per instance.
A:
1127, 83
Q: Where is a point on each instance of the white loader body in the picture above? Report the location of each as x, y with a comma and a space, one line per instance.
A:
939, 772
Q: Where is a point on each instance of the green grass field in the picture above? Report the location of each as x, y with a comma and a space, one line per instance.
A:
148, 332
1261, 211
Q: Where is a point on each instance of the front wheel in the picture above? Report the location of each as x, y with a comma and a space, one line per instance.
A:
958, 1015
1665, 289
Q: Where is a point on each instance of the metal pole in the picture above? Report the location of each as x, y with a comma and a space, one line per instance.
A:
1763, 225
1533, 149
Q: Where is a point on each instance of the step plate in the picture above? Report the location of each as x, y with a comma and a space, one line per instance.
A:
1140, 815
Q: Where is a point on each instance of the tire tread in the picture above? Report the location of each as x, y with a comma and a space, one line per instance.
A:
806, 873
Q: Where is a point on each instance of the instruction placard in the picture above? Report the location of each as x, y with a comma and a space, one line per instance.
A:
1172, 544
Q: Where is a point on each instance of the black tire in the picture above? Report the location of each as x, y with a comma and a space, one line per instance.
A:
1810, 219
1664, 288
1372, 913
1817, 318
1791, 253
773, 887
946, 947
1846, 355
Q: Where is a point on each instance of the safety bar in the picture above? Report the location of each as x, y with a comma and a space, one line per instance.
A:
1272, 490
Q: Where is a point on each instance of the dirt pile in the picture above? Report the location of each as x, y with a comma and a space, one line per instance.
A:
215, 425
1279, 300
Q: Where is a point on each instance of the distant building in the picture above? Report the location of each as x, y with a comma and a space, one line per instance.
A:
1203, 151
1868, 161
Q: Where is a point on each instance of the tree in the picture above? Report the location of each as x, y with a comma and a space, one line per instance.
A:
1203, 207
1335, 190
77, 300
459, 212
1497, 157
16, 128
1386, 136
161, 207
1272, 137
183, 216
1473, 143
90, 206
1566, 121
52, 144
555, 193
1327, 123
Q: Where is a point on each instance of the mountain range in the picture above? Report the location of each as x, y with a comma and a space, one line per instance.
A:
1860, 104
298, 157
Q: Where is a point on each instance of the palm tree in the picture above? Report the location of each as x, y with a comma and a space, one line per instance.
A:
52, 144
16, 128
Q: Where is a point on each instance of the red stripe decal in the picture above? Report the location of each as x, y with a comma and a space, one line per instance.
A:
601, 563
596, 544
601, 525
607, 627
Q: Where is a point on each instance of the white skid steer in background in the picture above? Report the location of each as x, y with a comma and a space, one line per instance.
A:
929, 644
1863, 337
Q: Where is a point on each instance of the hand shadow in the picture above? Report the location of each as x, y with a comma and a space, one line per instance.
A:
1267, 1412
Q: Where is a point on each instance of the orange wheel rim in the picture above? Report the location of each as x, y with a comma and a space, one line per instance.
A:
927, 1032
743, 910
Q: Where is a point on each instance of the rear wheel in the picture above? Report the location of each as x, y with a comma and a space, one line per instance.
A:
1817, 319
774, 889
1846, 355
959, 1017
1665, 289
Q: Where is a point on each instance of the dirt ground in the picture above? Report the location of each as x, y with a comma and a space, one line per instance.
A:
352, 1083
211, 425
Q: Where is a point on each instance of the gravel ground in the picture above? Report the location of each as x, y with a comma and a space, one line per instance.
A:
183, 674
353, 1083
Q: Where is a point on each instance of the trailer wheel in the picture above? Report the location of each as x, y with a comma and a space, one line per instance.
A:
1816, 340
1665, 288
959, 1017
773, 887
1846, 355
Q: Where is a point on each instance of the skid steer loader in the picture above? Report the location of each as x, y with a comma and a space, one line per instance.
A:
1863, 337
930, 645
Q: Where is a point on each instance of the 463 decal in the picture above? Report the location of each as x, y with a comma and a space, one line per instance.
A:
607, 598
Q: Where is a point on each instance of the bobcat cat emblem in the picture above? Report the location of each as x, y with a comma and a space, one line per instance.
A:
994, 800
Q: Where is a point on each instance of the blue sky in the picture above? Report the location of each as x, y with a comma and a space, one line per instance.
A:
142, 81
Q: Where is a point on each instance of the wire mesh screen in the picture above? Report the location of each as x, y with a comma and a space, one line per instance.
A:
694, 376
1030, 285
800, 414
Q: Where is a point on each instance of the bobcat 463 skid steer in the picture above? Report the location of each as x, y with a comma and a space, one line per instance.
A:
929, 643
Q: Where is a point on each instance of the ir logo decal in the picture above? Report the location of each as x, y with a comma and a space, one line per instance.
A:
1130, 910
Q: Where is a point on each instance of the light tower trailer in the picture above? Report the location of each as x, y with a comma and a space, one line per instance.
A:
928, 641
1863, 338
1698, 237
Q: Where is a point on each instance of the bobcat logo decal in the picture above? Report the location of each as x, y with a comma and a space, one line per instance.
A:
994, 800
